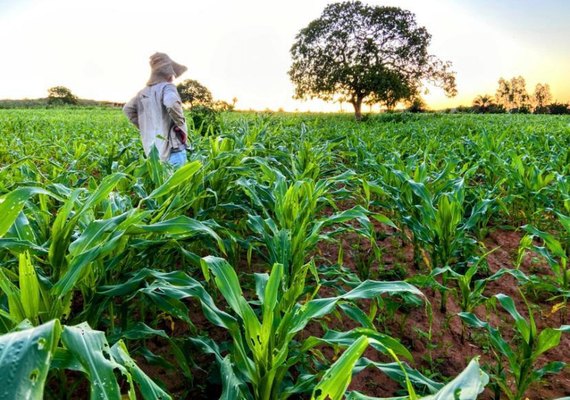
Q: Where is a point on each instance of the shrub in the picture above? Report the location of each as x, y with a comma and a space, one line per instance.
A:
559, 108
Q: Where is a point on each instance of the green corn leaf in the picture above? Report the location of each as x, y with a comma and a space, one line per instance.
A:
179, 227
228, 283
270, 299
105, 187
394, 371
65, 359
16, 310
564, 221
260, 285
20, 246
381, 342
182, 175
226, 280
75, 271
29, 288
61, 232
138, 331
25, 359
521, 324
547, 339
148, 389
233, 387
553, 367
92, 351
370, 289
336, 379
466, 386
495, 337
384, 220
12, 204
550, 240
356, 314
95, 234
21, 229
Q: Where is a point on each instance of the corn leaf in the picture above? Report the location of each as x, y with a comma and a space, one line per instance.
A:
183, 174
92, 351
148, 389
25, 358
12, 204
29, 288
335, 381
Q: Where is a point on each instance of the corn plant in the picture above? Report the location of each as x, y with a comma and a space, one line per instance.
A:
516, 361
90, 239
555, 249
264, 350
530, 187
292, 226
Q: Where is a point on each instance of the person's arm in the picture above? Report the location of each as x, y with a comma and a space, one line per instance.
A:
130, 110
173, 104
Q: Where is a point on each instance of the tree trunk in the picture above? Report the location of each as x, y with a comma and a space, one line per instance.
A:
357, 104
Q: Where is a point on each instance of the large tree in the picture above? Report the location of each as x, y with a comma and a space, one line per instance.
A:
542, 97
512, 94
360, 53
194, 93
61, 95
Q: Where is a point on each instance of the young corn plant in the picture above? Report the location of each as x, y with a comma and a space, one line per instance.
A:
530, 189
556, 250
515, 362
265, 347
90, 239
292, 226
439, 225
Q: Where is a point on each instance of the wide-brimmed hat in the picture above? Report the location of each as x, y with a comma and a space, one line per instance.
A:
162, 68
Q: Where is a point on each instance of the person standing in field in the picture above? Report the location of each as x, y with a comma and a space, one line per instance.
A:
157, 112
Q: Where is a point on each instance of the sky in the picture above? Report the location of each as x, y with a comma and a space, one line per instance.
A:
240, 48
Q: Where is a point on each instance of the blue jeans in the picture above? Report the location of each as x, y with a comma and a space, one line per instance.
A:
177, 159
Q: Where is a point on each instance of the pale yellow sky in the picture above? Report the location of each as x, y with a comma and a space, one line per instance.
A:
240, 49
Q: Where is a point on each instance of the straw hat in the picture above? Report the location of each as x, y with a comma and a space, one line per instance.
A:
162, 68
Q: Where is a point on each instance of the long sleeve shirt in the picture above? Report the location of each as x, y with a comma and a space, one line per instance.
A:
155, 111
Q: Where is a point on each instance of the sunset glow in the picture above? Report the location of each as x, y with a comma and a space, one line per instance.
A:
240, 49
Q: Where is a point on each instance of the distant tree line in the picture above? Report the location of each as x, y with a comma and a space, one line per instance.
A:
512, 97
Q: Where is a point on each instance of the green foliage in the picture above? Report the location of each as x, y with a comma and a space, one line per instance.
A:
92, 231
61, 95
194, 93
264, 345
204, 120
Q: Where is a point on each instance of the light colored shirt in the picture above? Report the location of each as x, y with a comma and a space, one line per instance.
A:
155, 111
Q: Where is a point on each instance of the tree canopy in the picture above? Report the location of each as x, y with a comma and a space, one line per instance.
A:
512, 95
360, 53
194, 93
61, 95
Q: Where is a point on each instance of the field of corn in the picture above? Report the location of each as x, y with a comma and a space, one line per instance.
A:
293, 257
